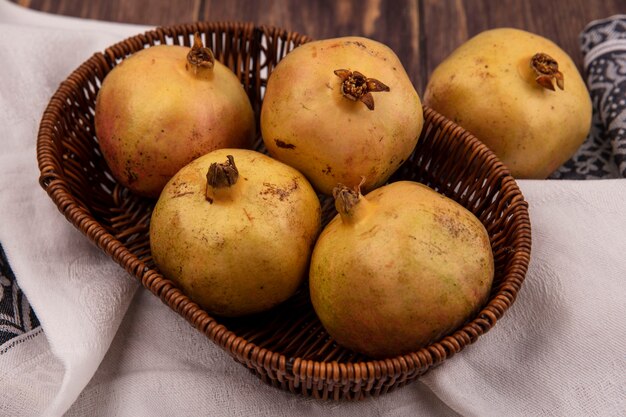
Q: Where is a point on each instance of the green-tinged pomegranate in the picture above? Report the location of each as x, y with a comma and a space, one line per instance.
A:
398, 268
339, 110
520, 94
163, 107
235, 229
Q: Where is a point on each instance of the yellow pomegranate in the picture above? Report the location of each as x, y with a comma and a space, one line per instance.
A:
163, 107
398, 268
235, 230
339, 110
520, 94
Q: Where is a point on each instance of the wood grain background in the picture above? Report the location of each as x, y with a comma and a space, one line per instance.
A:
421, 32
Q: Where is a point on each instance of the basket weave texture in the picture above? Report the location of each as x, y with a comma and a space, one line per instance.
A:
286, 347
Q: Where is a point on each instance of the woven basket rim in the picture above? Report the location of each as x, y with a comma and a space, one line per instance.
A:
59, 190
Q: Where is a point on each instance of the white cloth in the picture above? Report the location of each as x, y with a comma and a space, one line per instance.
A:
79, 295
108, 349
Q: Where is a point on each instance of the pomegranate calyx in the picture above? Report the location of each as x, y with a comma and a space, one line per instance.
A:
356, 86
346, 200
200, 56
220, 175
547, 69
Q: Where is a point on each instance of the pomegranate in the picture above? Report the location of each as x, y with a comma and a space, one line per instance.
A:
163, 107
339, 110
398, 268
520, 94
235, 230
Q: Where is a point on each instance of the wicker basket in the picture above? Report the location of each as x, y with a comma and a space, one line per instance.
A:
286, 347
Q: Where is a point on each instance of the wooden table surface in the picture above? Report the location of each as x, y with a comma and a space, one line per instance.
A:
421, 32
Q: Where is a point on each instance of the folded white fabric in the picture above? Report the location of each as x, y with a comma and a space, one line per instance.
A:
103, 352
557, 352
79, 295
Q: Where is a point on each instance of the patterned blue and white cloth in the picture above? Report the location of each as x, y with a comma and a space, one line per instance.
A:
603, 155
16, 315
